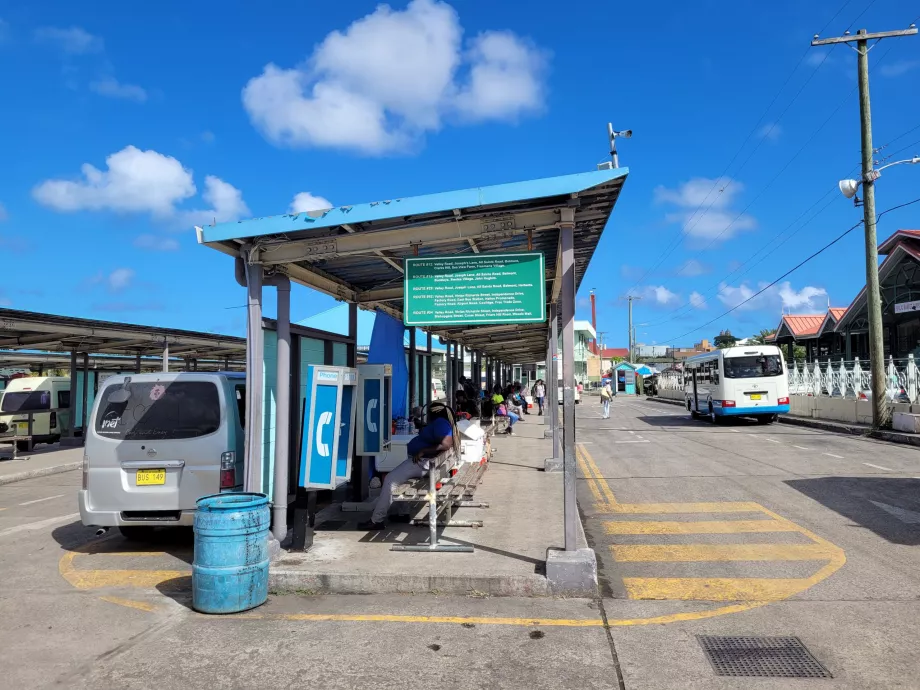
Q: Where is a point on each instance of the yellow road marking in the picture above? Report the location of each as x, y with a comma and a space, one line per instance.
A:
720, 552
701, 527
714, 588
131, 603
95, 579
754, 591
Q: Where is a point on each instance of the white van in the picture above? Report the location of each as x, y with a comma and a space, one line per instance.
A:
156, 443
437, 390
559, 391
47, 398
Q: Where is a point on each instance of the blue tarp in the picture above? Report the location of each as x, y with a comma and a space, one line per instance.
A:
387, 348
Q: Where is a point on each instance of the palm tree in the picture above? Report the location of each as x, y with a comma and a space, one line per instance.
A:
761, 338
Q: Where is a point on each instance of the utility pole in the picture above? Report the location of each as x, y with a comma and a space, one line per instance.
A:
629, 299
880, 410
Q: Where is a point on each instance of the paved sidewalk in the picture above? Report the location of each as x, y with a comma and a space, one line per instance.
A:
45, 459
524, 519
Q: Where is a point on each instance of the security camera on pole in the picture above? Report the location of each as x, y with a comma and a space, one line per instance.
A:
880, 412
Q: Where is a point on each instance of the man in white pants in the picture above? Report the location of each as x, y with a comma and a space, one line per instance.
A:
436, 437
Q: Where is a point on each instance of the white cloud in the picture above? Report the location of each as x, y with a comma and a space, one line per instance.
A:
656, 294
73, 40
309, 202
3, 213
692, 268
900, 68
388, 78
226, 204
119, 279
156, 243
781, 296
706, 208
697, 300
139, 181
112, 88
816, 58
771, 131
136, 181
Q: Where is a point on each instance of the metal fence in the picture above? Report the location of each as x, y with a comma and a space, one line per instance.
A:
840, 379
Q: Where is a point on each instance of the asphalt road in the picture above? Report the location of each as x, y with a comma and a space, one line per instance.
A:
739, 530
742, 529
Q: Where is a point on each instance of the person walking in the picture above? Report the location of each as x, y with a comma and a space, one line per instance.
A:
606, 395
539, 394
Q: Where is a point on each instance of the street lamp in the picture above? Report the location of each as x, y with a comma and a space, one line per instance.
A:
849, 187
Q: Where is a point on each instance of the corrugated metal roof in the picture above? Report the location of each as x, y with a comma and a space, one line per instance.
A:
803, 324
328, 250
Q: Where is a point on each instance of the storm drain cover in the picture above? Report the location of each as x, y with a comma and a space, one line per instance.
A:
773, 657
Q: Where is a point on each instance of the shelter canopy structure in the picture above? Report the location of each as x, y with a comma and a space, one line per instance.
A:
354, 253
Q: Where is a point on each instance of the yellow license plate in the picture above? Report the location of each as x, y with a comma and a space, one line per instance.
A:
151, 477
23, 428
755, 397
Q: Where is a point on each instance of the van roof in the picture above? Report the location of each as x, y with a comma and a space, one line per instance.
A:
33, 381
174, 375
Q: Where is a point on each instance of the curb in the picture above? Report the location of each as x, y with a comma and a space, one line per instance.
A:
299, 581
40, 472
836, 427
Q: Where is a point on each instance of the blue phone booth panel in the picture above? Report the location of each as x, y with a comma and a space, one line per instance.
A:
374, 408
327, 427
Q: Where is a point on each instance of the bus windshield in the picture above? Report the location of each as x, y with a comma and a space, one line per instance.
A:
753, 366
26, 401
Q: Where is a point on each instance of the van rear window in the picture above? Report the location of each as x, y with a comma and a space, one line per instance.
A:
25, 401
152, 410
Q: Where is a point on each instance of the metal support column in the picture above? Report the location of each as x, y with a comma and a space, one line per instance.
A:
552, 385
254, 378
413, 372
282, 409
361, 466
567, 298
74, 375
449, 375
137, 363
83, 414
429, 375
165, 356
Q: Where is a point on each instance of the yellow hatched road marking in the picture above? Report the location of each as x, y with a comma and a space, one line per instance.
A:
700, 527
715, 588
131, 603
687, 553
672, 508
95, 579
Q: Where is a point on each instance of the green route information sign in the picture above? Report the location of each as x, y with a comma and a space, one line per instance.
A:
475, 289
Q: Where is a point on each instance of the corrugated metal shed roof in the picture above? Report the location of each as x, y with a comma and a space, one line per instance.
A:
355, 253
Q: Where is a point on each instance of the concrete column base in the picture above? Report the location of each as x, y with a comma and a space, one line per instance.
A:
572, 573
274, 548
547, 433
552, 465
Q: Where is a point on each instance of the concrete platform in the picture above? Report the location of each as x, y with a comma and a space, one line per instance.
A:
524, 522
43, 460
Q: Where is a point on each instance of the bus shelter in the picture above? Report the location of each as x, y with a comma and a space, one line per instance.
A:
360, 254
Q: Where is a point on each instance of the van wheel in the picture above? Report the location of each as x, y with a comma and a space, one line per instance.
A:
137, 532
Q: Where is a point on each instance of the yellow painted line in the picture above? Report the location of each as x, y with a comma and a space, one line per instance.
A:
700, 527
688, 615
714, 588
387, 618
674, 508
95, 579
686, 553
131, 603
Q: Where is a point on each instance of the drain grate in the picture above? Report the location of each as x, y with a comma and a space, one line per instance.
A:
775, 657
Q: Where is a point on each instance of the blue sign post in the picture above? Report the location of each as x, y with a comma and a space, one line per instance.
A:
327, 427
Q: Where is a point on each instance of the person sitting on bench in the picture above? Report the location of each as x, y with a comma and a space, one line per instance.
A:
439, 435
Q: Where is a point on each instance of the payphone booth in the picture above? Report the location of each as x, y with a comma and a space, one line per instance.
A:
375, 402
327, 427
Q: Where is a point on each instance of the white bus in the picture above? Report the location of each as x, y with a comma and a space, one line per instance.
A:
745, 381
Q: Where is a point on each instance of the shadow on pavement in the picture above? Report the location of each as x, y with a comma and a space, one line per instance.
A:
889, 507
177, 542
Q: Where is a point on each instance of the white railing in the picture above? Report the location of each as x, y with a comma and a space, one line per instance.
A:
844, 379
840, 379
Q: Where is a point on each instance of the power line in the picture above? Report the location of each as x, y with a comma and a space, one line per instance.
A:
795, 268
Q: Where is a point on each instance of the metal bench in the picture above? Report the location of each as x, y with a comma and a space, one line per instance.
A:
443, 493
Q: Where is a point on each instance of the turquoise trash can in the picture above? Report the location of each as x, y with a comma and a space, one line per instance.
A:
230, 568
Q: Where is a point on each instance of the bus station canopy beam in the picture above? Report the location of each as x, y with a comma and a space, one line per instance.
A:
355, 253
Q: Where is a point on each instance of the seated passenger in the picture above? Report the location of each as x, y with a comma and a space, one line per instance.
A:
435, 437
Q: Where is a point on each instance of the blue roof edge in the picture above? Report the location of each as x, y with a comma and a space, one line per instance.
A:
409, 206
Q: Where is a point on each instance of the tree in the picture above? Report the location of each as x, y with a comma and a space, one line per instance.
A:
761, 338
724, 339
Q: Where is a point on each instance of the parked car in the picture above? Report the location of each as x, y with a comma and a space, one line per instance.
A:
156, 443
47, 398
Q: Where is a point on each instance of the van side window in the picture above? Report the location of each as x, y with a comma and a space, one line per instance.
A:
241, 403
63, 399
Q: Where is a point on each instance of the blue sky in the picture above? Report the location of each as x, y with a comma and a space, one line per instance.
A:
124, 125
